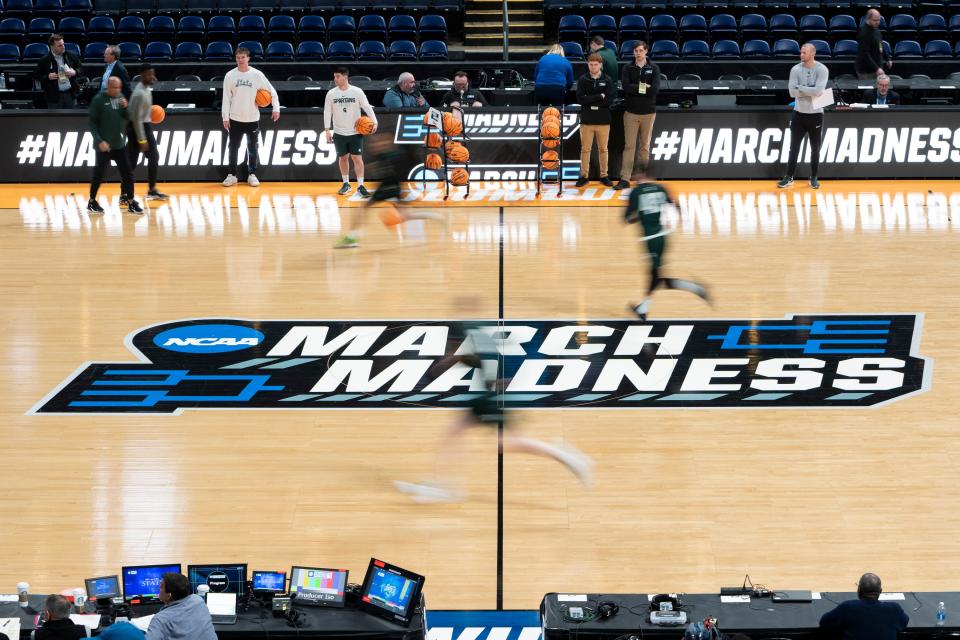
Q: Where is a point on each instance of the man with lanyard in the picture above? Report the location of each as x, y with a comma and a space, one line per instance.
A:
640, 83
57, 73
140, 129
595, 95
461, 95
808, 80
881, 94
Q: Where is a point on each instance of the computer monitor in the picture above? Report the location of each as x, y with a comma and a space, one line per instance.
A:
318, 587
221, 578
143, 582
103, 588
391, 592
275, 581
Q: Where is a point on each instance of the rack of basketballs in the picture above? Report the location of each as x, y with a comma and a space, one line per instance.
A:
550, 139
447, 153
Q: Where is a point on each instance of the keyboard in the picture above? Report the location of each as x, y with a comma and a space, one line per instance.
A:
224, 619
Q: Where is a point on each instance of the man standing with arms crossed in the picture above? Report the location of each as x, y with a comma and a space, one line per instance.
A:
640, 83
241, 115
808, 80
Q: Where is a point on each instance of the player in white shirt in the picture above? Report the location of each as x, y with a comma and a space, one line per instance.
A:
341, 108
241, 115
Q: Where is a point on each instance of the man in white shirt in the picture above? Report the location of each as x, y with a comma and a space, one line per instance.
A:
341, 108
241, 115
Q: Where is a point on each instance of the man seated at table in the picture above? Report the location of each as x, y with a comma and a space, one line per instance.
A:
404, 94
461, 95
58, 625
881, 93
184, 615
866, 618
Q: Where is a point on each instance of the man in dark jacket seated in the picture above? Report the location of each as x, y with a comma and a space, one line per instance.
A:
866, 618
881, 93
59, 626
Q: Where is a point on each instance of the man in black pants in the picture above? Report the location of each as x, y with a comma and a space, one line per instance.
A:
808, 80
108, 123
872, 61
140, 138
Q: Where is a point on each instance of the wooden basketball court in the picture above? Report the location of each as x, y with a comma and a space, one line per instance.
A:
684, 500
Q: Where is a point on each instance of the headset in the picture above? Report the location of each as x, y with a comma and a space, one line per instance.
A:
607, 609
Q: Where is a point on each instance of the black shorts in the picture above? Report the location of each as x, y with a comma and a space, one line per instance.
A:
386, 191
348, 144
655, 248
487, 409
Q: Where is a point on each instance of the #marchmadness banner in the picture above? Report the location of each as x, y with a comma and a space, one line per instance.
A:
503, 145
843, 361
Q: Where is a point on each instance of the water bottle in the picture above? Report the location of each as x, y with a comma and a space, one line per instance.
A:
3, 81
941, 614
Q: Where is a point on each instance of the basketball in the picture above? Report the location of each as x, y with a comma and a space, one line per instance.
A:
459, 177
157, 114
434, 161
451, 126
550, 129
553, 119
389, 215
458, 153
363, 126
550, 160
551, 144
432, 140
263, 97
550, 112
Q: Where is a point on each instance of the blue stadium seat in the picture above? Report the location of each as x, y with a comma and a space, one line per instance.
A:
573, 51
842, 27
823, 48
251, 28
9, 52
907, 49
47, 9
632, 27
664, 50
933, 49
132, 29
956, 50
130, 52
72, 28
221, 28
662, 27
723, 26
786, 48
13, 31
279, 50
626, 49
188, 52
373, 27
372, 50
78, 8
218, 50
783, 25
310, 50
22, 9
402, 50
158, 52
73, 48
932, 27
161, 29
813, 27
726, 49
756, 49
953, 27
693, 26
402, 27
903, 26
191, 29
312, 28
342, 28
603, 25
256, 49
39, 30
101, 28
93, 52
753, 26
341, 50
845, 49
693, 49
282, 27
572, 28
36, 50
434, 27
433, 50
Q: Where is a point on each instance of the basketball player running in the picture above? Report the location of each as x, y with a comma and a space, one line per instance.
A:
342, 107
241, 115
486, 410
645, 205
140, 129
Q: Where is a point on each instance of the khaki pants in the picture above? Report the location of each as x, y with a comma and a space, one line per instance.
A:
589, 133
634, 124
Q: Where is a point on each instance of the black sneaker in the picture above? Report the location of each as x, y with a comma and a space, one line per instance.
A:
785, 181
605, 181
362, 190
153, 194
814, 183
93, 206
582, 181
623, 184
124, 201
134, 207
345, 189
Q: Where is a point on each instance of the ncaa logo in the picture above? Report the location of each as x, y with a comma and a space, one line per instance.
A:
208, 338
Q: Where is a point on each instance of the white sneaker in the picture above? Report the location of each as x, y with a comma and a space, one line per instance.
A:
252, 180
579, 463
427, 493
230, 180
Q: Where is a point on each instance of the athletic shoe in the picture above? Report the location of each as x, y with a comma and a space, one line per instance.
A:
153, 194
578, 462
623, 184
582, 181
814, 182
252, 180
230, 180
635, 310
134, 207
344, 190
428, 493
605, 181
93, 206
124, 201
362, 190
785, 181
347, 242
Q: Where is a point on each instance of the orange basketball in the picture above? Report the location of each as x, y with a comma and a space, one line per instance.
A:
458, 153
550, 160
432, 140
551, 144
451, 126
433, 161
263, 97
459, 177
426, 118
550, 129
550, 112
552, 119
389, 215
363, 126
157, 114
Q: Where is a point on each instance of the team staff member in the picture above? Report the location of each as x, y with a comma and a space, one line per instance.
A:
115, 69
872, 61
610, 67
881, 93
866, 618
404, 94
59, 626
461, 95
640, 82
140, 130
342, 107
807, 81
108, 122
595, 95
57, 72
184, 615
552, 77
241, 115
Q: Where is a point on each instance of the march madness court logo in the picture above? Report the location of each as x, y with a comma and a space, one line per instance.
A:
802, 361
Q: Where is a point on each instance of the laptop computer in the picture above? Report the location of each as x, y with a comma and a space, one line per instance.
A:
792, 596
223, 607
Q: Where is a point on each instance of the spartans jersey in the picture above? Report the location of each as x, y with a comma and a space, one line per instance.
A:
646, 201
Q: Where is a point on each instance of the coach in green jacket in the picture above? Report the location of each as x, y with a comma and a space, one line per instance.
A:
108, 124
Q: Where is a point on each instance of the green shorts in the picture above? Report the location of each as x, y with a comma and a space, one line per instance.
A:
348, 144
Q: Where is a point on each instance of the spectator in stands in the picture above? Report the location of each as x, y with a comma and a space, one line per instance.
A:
121, 631
57, 72
881, 93
59, 626
404, 93
115, 68
872, 60
610, 66
595, 95
184, 615
241, 115
553, 77
108, 124
140, 138
461, 95
640, 83
866, 618
808, 80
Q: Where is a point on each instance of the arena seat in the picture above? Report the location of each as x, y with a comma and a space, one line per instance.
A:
373, 27
434, 27
9, 52
21, 9
251, 27
78, 8
341, 50
402, 50
573, 51
341, 28
664, 50
932, 27
907, 49
279, 50
158, 51
813, 26
93, 52
933, 49
903, 26
402, 27
662, 27
572, 28
73, 28
101, 28
845, 49
723, 26
726, 49
756, 49
73, 48
692, 26
842, 27
111, 8
34, 51
823, 48
191, 29
188, 52
255, 47
753, 26
603, 25
132, 29
626, 49
162, 29
693, 49
632, 27
130, 52
372, 50
786, 48
310, 50
221, 28
433, 50
282, 27
52, 9
312, 28
39, 30
218, 50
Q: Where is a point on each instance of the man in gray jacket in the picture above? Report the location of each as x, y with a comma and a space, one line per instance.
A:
184, 616
808, 80
140, 132
404, 94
